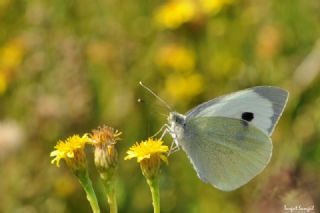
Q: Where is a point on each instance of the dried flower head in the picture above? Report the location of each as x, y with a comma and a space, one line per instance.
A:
105, 154
105, 135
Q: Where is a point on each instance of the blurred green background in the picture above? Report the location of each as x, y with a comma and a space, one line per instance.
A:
67, 67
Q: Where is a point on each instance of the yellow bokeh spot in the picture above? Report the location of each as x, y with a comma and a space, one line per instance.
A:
268, 42
3, 83
181, 88
11, 54
213, 6
100, 52
176, 57
4, 4
175, 13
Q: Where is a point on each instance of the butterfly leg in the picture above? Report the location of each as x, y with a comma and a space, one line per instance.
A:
173, 148
165, 126
174, 144
165, 129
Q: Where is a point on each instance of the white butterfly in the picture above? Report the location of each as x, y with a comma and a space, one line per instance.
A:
227, 139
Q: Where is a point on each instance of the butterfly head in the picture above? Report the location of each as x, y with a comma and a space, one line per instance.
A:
177, 123
176, 118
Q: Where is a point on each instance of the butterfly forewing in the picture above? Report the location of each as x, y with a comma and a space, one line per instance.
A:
261, 106
225, 152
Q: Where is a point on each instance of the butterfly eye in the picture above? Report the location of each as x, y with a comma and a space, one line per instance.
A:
178, 120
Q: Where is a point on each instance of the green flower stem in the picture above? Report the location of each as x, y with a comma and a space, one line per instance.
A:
91, 195
154, 188
111, 195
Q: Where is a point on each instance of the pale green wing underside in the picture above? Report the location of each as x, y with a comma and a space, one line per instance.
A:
226, 152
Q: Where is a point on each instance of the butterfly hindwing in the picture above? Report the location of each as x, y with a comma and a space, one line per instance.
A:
230, 160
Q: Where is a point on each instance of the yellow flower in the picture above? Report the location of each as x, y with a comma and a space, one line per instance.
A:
146, 149
175, 13
176, 57
71, 150
149, 153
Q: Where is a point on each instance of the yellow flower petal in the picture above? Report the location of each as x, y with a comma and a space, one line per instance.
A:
164, 158
66, 149
146, 149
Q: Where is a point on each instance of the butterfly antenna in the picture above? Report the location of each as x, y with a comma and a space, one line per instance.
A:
162, 114
165, 115
155, 95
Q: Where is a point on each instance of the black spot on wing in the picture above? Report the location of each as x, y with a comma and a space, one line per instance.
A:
247, 116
